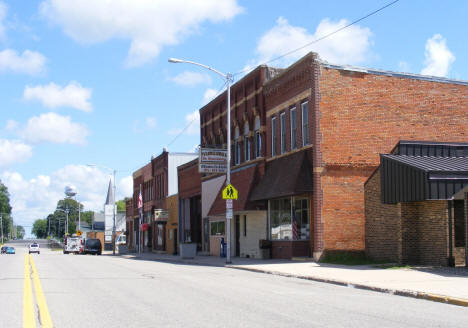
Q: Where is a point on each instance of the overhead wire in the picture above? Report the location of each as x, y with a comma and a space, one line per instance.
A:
194, 119
322, 37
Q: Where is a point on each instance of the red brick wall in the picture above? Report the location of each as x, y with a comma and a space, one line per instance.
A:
362, 115
189, 180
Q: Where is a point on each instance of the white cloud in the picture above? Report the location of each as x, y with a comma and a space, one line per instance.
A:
3, 11
125, 187
148, 24
151, 122
29, 62
11, 125
191, 79
53, 96
438, 57
349, 46
209, 95
13, 151
51, 127
37, 197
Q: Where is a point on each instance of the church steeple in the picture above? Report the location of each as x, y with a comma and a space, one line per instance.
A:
110, 194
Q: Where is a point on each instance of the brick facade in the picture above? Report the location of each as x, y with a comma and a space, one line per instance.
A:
407, 233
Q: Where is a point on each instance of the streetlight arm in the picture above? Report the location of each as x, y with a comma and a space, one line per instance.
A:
175, 60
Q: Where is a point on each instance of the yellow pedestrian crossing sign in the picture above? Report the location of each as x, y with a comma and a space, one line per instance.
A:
229, 192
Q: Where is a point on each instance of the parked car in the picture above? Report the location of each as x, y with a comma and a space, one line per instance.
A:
10, 250
93, 246
34, 248
73, 244
4, 249
121, 240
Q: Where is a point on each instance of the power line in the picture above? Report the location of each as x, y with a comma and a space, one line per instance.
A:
194, 119
323, 37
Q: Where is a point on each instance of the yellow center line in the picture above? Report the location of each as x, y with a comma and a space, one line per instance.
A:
28, 306
44, 315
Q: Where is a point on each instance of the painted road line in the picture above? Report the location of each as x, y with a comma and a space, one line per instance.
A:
44, 315
28, 306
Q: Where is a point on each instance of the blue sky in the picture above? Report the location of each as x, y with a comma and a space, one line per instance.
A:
88, 81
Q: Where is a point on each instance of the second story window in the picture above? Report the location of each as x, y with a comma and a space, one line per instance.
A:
293, 129
273, 137
305, 123
246, 142
258, 138
283, 132
236, 147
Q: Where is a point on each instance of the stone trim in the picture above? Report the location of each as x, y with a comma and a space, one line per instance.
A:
289, 103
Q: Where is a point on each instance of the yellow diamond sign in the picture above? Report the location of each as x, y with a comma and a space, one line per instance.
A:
229, 192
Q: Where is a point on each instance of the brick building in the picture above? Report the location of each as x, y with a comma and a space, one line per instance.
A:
157, 181
247, 153
415, 204
190, 223
322, 128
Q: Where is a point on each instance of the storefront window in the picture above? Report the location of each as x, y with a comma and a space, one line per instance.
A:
217, 228
280, 216
282, 213
301, 211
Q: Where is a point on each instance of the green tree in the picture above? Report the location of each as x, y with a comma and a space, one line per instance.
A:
88, 217
20, 232
39, 228
120, 205
5, 210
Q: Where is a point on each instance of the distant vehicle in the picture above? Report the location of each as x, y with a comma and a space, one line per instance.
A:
121, 240
34, 248
73, 244
4, 249
10, 250
93, 246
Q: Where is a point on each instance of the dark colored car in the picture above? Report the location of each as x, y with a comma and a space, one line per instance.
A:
93, 246
4, 249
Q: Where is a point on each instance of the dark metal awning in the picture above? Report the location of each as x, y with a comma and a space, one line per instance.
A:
417, 178
285, 176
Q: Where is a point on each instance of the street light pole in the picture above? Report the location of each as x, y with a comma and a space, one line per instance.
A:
228, 78
115, 214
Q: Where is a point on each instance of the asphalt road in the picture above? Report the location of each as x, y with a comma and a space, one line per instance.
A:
105, 291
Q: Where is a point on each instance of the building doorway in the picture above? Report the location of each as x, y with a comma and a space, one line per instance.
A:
237, 232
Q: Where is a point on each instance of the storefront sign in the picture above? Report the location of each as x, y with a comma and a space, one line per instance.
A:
210, 155
161, 215
212, 168
212, 160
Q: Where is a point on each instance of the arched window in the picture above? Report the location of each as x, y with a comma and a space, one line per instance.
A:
236, 146
246, 142
258, 138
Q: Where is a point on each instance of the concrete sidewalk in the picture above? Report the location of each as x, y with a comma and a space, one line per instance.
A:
442, 284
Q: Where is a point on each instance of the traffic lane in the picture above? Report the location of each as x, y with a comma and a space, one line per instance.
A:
11, 287
105, 291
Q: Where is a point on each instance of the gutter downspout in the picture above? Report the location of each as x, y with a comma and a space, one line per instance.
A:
451, 260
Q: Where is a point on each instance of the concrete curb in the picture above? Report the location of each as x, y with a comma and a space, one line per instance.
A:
399, 292
406, 293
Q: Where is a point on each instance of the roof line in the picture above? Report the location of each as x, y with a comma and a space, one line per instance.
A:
392, 73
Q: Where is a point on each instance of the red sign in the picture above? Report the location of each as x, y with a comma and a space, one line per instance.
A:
145, 227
